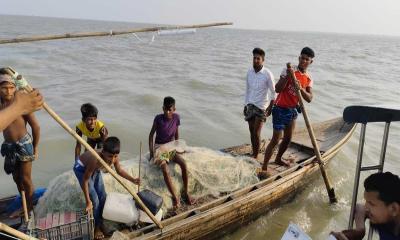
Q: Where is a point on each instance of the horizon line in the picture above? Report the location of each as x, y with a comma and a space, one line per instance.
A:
224, 27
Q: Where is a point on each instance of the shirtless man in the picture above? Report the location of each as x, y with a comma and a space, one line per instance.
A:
20, 149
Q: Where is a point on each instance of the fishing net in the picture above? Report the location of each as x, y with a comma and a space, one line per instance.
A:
211, 173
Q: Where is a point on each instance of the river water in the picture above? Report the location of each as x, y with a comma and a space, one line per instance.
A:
126, 77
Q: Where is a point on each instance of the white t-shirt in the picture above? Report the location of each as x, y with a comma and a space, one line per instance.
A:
260, 88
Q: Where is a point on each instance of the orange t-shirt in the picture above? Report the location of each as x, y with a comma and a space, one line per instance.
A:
288, 97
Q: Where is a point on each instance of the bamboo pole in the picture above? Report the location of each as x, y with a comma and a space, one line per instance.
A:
16, 233
328, 185
92, 151
140, 164
24, 206
108, 33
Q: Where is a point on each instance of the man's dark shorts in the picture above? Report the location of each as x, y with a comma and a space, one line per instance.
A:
252, 111
282, 117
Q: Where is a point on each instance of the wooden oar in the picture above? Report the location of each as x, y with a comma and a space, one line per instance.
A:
140, 164
329, 188
16, 233
54, 115
108, 33
24, 206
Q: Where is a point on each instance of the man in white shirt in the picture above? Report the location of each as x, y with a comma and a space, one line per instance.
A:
260, 95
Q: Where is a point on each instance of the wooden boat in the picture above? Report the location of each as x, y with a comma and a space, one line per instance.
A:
213, 217
219, 216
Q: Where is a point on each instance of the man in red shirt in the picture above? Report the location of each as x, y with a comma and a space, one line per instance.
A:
284, 112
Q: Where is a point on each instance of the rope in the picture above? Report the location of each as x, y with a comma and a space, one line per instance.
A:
137, 37
141, 40
20, 82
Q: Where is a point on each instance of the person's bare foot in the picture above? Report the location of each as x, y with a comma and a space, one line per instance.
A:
98, 233
262, 174
289, 159
188, 199
176, 203
283, 162
17, 213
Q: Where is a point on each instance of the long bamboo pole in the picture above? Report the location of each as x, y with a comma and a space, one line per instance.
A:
24, 206
92, 151
16, 233
328, 185
140, 164
109, 33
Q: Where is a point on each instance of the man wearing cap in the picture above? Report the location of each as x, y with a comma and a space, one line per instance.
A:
23, 103
19, 148
259, 99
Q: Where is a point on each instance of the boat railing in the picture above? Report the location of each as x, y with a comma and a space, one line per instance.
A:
365, 115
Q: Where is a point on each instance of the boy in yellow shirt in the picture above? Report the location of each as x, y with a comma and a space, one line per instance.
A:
94, 129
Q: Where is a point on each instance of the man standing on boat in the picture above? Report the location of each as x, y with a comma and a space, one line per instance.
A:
20, 148
260, 89
284, 112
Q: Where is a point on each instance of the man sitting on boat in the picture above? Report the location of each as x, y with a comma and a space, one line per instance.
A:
382, 208
260, 89
166, 127
20, 149
87, 171
284, 112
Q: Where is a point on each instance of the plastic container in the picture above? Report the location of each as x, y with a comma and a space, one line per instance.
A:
146, 219
120, 208
152, 201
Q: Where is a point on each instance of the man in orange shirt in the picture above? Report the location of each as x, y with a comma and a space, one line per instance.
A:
284, 112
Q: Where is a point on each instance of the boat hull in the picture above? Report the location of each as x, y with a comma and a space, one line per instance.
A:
227, 214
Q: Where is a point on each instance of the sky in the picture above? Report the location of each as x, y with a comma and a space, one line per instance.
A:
340, 16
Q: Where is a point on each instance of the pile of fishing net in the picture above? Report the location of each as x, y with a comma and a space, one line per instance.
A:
211, 173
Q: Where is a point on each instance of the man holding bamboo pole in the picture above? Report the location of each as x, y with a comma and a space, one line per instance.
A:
284, 112
19, 149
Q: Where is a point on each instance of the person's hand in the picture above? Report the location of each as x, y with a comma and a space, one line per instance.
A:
89, 206
136, 181
36, 153
296, 85
289, 70
268, 111
339, 235
291, 74
360, 211
28, 102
